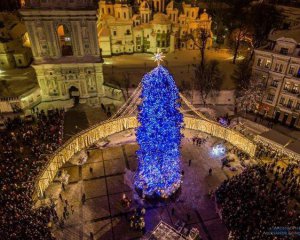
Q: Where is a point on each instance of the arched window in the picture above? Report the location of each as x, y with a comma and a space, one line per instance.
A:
65, 40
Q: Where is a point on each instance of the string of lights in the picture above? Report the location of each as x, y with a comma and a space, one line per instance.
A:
159, 135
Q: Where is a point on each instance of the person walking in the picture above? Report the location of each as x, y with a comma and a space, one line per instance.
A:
210, 172
190, 162
83, 199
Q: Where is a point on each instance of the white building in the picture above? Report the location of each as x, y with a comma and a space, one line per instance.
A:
13, 52
64, 42
278, 65
149, 30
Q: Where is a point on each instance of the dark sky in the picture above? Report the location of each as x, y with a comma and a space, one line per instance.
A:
8, 5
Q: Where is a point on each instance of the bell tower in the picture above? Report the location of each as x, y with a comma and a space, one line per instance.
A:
65, 48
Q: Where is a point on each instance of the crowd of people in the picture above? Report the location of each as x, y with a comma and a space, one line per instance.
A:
24, 147
264, 151
259, 201
199, 141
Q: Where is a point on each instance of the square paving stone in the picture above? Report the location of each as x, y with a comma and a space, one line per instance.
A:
181, 213
114, 166
73, 172
133, 163
122, 230
206, 209
73, 192
116, 184
131, 149
95, 156
95, 208
97, 171
102, 230
216, 229
152, 218
94, 188
112, 153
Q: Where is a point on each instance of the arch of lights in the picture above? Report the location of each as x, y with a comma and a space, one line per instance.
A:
91, 135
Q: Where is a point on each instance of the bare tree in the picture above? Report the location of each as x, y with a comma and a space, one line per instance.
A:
199, 37
249, 90
208, 79
239, 35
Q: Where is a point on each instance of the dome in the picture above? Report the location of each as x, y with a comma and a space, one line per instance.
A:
204, 15
161, 18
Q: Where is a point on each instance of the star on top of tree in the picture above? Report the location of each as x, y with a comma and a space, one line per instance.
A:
158, 57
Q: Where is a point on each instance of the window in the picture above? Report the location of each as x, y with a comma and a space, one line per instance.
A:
284, 51
163, 43
295, 89
287, 86
268, 64
108, 10
292, 70
290, 103
124, 14
259, 62
20, 61
127, 32
281, 101
158, 43
270, 97
280, 68
115, 33
119, 15
86, 46
274, 83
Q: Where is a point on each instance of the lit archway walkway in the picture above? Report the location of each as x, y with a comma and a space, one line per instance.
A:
91, 135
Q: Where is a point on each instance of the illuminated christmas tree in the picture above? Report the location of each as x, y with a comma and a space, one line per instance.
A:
159, 134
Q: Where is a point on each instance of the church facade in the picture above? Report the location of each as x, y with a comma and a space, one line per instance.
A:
149, 26
64, 43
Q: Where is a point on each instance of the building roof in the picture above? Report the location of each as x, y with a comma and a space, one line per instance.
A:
160, 18
293, 33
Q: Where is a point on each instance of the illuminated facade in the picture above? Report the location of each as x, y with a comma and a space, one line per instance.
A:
14, 44
278, 65
65, 48
123, 31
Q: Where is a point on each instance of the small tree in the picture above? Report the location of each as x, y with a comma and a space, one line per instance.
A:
208, 79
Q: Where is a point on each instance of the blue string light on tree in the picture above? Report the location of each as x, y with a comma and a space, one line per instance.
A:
159, 134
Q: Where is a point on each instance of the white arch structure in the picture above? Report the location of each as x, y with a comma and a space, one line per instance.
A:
91, 135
